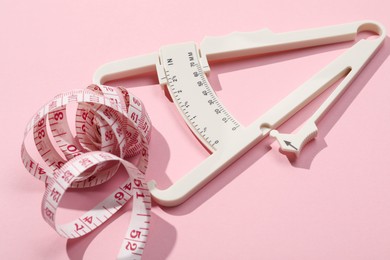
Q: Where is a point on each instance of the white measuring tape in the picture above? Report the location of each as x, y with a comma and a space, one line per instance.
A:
111, 126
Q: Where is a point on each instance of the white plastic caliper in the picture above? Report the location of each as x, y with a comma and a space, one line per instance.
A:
183, 67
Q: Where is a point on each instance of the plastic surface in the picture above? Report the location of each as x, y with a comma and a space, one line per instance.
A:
125, 68
179, 62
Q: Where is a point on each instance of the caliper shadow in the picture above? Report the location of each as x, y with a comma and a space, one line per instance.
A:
313, 148
335, 113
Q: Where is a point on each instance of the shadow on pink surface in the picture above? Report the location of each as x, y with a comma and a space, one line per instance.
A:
162, 235
312, 148
87, 198
336, 112
310, 151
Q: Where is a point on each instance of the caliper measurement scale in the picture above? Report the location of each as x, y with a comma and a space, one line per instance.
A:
195, 99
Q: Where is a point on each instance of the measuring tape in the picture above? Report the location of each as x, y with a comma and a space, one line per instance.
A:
111, 126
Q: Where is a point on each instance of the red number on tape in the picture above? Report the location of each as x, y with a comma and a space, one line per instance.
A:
58, 116
87, 155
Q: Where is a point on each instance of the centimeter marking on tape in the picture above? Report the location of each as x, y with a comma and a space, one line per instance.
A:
111, 126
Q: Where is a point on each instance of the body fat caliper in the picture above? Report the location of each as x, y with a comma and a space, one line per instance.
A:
183, 69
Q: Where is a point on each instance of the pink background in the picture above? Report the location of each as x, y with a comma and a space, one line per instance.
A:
332, 203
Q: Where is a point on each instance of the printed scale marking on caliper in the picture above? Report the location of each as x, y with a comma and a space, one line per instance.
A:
183, 69
112, 124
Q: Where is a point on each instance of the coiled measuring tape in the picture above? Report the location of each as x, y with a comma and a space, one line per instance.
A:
111, 126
